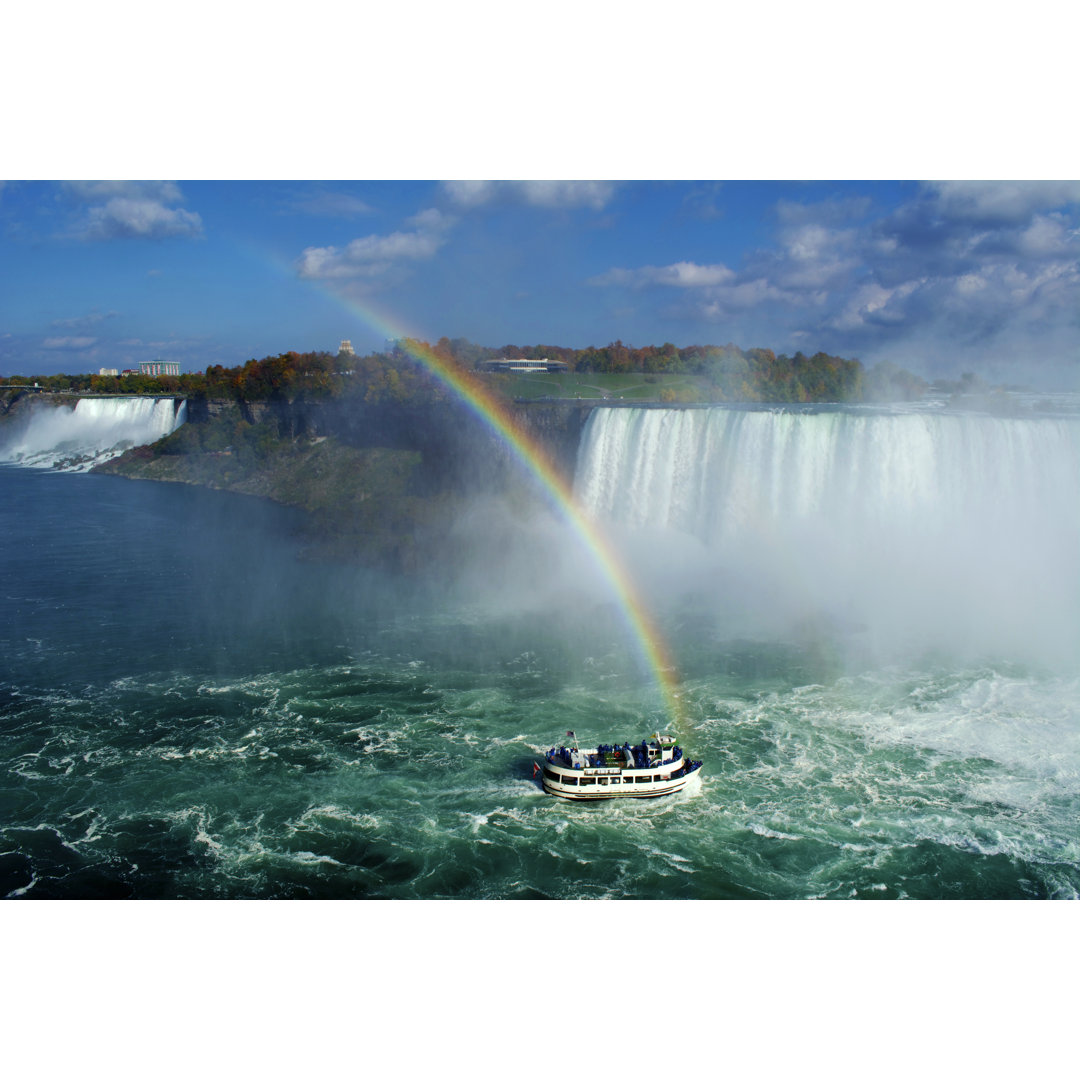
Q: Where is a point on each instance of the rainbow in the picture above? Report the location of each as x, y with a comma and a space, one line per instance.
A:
497, 417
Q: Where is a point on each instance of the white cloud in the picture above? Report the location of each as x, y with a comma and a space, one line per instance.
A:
468, 193
430, 219
373, 256
955, 274
811, 257
139, 218
686, 275
873, 303
552, 194
1001, 203
722, 301
595, 194
1047, 235
131, 208
970, 283
93, 191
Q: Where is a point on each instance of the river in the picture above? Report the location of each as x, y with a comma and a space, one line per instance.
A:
874, 617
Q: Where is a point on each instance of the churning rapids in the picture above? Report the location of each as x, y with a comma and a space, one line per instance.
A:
876, 617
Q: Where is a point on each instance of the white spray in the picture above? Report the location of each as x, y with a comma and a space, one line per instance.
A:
937, 531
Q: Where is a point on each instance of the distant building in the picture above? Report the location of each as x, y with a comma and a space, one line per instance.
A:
158, 367
108, 371
345, 348
503, 364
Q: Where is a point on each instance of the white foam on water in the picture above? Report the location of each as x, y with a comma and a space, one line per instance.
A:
339, 814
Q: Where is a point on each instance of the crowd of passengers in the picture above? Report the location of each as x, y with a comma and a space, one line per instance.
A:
638, 754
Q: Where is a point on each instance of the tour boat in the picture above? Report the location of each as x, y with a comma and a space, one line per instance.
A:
645, 771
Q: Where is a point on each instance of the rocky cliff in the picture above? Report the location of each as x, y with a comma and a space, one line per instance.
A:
381, 484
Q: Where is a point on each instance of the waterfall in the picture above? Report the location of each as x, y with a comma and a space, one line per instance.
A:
947, 528
76, 437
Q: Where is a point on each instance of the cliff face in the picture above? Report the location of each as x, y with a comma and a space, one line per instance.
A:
457, 446
381, 484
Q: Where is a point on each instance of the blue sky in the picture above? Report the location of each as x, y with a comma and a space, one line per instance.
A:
937, 277
943, 277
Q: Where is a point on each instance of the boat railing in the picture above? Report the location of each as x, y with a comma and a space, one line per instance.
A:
641, 756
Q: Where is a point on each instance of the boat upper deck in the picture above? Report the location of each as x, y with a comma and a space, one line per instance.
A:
645, 755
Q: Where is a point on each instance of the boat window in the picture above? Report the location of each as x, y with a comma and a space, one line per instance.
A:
603, 779
586, 780
643, 779
569, 779
549, 775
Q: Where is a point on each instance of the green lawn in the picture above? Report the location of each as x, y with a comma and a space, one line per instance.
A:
596, 386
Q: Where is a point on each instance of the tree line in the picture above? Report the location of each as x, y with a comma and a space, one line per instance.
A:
721, 373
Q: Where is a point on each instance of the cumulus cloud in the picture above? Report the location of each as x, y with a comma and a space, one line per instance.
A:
992, 202
721, 302
873, 304
811, 256
374, 256
131, 208
952, 228
552, 194
140, 218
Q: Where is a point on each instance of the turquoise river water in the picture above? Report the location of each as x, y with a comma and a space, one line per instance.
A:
191, 709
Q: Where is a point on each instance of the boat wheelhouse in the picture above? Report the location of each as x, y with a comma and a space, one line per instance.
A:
643, 771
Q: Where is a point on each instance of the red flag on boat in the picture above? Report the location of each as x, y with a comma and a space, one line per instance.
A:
536, 768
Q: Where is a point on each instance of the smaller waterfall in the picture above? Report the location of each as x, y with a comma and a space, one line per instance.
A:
77, 437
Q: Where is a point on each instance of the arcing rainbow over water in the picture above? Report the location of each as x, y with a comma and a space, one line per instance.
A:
534, 457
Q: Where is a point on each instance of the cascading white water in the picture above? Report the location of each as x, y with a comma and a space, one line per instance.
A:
77, 437
949, 531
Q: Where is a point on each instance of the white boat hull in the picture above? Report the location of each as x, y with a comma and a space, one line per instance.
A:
592, 784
